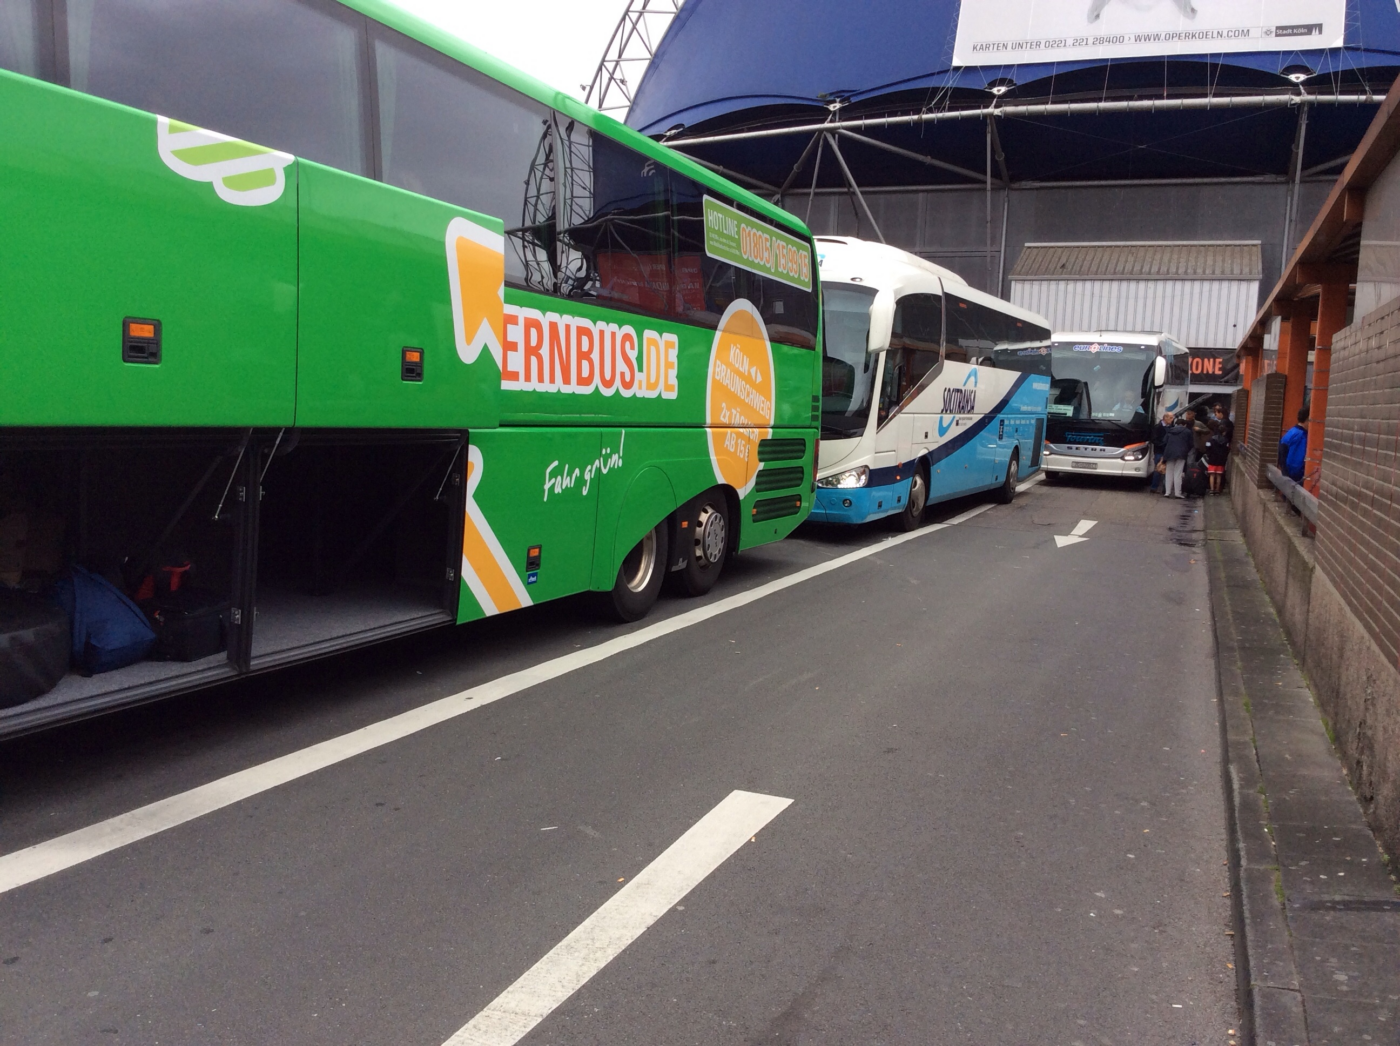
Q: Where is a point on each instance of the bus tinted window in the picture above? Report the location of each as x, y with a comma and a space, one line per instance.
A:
705, 286
616, 235
449, 132
281, 73
918, 323
976, 330
19, 36
967, 337
913, 352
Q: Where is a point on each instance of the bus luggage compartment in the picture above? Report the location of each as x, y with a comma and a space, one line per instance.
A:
245, 549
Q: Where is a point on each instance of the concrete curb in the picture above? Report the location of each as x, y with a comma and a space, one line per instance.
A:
1267, 984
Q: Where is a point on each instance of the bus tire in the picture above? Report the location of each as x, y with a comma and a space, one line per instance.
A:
913, 515
1052, 477
639, 577
1006, 493
705, 544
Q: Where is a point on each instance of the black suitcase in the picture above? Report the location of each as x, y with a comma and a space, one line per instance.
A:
1194, 483
36, 639
188, 625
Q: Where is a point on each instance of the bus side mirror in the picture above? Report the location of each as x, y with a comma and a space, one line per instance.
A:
1159, 372
881, 322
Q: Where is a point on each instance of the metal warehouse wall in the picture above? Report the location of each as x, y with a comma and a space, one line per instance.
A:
948, 226
1203, 314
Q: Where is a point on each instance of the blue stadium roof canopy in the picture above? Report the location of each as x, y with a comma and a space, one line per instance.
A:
736, 65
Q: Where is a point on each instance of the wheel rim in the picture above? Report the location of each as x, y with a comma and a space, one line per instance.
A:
1013, 473
918, 495
640, 564
710, 536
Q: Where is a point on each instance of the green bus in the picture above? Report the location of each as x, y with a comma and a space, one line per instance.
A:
443, 343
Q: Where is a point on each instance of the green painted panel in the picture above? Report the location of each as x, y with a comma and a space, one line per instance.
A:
544, 382
528, 487
99, 227
375, 279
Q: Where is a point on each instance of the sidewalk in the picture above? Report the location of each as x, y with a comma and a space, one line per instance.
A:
1317, 910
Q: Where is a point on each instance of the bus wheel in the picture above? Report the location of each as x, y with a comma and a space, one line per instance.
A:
1007, 491
706, 552
913, 515
639, 578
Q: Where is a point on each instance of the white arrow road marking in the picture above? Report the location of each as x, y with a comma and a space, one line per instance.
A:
1076, 535
621, 920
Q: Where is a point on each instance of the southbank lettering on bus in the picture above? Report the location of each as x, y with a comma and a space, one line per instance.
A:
960, 401
732, 236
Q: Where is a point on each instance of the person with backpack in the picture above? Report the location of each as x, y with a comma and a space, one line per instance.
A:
1293, 448
1177, 444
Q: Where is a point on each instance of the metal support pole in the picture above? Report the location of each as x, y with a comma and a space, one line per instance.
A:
1299, 140
976, 176
989, 205
855, 189
1137, 105
816, 169
796, 169
1001, 263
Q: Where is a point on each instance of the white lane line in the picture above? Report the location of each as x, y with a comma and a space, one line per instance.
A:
1039, 477
84, 844
621, 920
963, 517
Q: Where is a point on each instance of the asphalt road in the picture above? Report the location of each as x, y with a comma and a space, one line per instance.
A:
1006, 823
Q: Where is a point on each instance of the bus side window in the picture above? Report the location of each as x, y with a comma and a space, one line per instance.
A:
20, 37
615, 243
704, 286
914, 338
964, 331
449, 132
281, 73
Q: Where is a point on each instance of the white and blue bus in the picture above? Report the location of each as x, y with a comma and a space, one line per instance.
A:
1108, 389
915, 409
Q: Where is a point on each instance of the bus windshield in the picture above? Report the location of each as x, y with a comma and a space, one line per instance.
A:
1091, 381
848, 369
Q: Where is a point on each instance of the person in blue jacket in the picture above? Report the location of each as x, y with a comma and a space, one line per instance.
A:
1293, 448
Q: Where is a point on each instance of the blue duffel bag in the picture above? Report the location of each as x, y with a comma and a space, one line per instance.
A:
109, 630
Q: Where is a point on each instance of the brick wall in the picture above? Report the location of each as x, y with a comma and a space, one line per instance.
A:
1358, 530
1265, 428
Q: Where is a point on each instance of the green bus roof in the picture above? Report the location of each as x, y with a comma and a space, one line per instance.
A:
454, 47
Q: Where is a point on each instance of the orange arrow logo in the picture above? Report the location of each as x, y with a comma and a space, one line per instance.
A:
476, 270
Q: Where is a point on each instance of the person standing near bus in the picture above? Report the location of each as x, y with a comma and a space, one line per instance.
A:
1227, 427
1177, 444
1217, 454
1159, 447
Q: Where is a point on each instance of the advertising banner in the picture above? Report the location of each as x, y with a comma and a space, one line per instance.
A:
1011, 32
732, 236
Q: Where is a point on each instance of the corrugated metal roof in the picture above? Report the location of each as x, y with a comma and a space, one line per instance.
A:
1239, 260
1203, 314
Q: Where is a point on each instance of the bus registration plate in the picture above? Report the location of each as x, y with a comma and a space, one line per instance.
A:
1091, 465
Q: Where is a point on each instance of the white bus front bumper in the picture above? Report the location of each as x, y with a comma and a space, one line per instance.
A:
1097, 465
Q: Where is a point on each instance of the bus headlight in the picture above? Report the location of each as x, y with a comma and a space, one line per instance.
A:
1136, 452
856, 477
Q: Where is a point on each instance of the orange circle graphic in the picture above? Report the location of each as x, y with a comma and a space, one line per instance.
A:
739, 396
